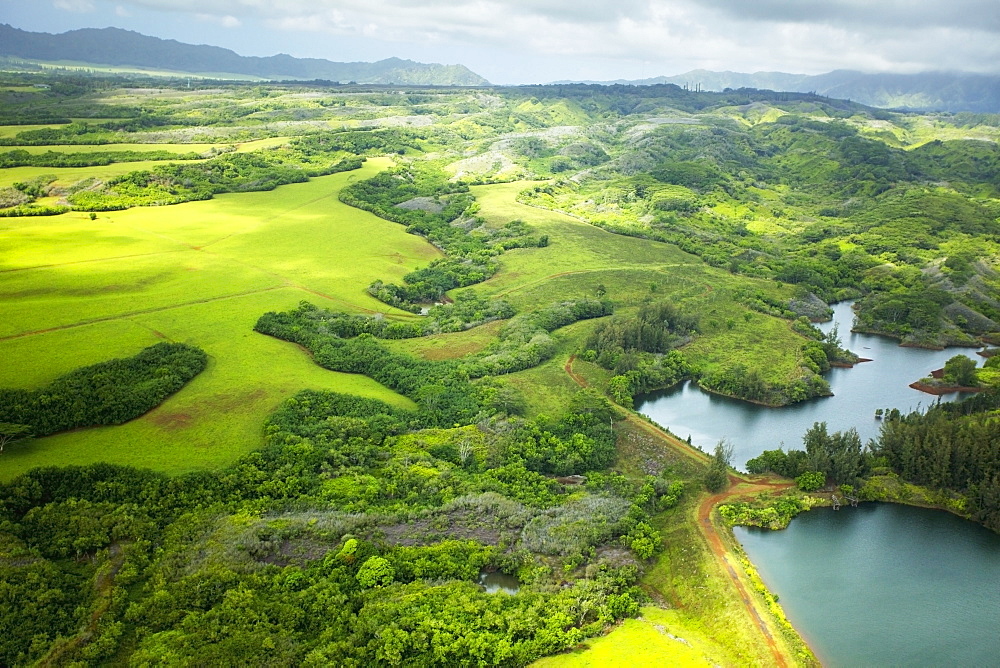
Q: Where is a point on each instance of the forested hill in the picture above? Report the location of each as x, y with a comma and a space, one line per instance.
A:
114, 46
928, 91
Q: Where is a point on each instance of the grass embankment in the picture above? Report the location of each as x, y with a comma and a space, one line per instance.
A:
702, 576
199, 273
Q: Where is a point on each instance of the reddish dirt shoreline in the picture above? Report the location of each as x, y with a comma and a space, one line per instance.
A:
943, 389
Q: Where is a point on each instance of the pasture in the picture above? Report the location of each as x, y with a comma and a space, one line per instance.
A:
76, 291
180, 149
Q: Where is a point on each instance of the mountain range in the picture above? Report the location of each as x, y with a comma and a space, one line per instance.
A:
114, 46
929, 91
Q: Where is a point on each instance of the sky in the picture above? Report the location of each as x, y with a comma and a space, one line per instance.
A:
539, 41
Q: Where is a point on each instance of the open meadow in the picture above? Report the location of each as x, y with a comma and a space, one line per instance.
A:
76, 291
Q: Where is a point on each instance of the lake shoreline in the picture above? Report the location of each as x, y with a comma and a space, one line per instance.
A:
868, 568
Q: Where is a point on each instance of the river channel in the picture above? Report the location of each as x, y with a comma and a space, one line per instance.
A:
857, 392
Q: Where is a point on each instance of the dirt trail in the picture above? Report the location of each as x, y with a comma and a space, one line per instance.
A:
738, 486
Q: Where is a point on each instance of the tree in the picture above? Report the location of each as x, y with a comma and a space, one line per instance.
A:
621, 390
810, 481
11, 433
960, 370
718, 469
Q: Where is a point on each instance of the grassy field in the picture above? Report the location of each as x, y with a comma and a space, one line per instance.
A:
448, 346
203, 272
67, 176
585, 261
199, 273
11, 130
656, 638
243, 147
585, 255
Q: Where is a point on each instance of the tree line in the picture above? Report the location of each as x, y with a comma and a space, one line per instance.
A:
951, 447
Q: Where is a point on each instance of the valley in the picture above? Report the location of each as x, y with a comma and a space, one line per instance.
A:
427, 314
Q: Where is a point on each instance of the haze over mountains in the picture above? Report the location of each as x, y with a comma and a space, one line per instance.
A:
945, 91
929, 91
114, 46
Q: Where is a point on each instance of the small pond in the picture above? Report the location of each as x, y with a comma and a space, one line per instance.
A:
494, 582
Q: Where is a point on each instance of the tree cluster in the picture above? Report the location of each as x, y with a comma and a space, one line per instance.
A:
839, 457
440, 387
107, 393
952, 447
348, 539
639, 349
175, 183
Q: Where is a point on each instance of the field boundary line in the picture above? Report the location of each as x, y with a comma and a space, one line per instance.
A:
132, 314
98, 259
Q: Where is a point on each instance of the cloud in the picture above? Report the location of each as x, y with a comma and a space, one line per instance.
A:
75, 6
122, 12
226, 21
976, 15
808, 36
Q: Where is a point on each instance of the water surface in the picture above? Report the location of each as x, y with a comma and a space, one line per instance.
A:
858, 392
885, 585
494, 582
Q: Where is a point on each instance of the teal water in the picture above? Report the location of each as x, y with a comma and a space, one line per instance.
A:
881, 383
885, 585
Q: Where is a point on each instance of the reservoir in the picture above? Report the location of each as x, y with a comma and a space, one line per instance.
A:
881, 383
876, 585
884, 584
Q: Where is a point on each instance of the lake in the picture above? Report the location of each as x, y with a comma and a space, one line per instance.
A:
881, 383
884, 584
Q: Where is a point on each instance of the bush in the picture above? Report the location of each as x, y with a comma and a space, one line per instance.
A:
810, 481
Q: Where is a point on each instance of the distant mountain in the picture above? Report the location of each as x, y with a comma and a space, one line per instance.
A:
114, 46
930, 91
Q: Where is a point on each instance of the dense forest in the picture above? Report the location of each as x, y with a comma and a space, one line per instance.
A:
348, 538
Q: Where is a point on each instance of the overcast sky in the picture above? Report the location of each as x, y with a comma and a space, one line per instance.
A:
536, 41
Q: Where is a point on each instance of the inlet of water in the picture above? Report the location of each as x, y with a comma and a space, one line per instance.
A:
857, 393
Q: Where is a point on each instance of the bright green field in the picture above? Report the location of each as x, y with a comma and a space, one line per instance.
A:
11, 130
75, 291
656, 638
242, 147
582, 253
580, 258
67, 176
